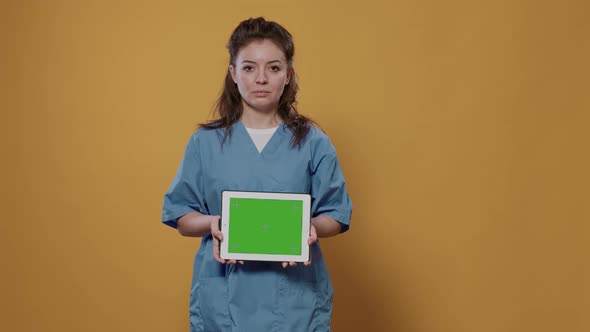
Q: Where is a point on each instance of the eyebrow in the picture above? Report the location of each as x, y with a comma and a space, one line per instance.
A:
273, 61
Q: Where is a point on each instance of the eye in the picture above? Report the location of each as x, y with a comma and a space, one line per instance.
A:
248, 68
275, 68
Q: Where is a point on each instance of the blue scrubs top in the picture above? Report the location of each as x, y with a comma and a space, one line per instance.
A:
258, 296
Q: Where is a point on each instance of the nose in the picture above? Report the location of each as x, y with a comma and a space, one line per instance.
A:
261, 78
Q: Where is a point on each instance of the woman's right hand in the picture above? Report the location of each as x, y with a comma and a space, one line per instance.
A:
217, 237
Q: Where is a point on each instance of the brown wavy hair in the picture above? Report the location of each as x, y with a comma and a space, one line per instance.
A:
228, 108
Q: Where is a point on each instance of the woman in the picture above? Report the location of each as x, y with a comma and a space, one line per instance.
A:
259, 143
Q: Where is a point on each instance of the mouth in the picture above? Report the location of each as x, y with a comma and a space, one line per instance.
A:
261, 93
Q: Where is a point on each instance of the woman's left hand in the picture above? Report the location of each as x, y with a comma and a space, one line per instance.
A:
313, 237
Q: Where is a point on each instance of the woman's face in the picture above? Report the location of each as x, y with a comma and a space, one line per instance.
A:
261, 73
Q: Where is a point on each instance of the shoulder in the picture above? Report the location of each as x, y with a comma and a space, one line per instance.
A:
319, 142
316, 136
205, 135
199, 140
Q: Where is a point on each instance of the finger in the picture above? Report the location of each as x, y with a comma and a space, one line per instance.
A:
313, 235
218, 235
285, 264
241, 262
217, 258
292, 263
215, 228
221, 261
312, 239
231, 261
216, 252
308, 263
214, 223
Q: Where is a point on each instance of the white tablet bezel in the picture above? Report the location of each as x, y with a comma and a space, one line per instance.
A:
225, 225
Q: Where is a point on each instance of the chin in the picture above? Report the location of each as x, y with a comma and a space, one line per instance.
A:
263, 107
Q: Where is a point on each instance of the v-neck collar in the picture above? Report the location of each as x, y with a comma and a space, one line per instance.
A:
272, 144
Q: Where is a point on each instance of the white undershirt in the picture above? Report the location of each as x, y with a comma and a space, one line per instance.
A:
261, 136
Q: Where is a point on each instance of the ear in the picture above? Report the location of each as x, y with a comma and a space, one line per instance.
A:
289, 75
232, 71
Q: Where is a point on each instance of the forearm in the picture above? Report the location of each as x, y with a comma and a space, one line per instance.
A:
194, 224
326, 226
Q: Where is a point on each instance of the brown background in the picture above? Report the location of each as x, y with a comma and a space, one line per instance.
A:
461, 126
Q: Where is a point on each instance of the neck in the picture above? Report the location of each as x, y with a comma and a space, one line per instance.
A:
260, 120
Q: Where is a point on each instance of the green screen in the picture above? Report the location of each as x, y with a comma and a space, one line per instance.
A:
265, 226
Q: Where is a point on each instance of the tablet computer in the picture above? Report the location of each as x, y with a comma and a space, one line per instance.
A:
265, 226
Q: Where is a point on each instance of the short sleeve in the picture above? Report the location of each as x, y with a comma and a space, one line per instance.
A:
185, 193
328, 188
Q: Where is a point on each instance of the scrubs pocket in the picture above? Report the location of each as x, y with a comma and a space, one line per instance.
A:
212, 293
301, 273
